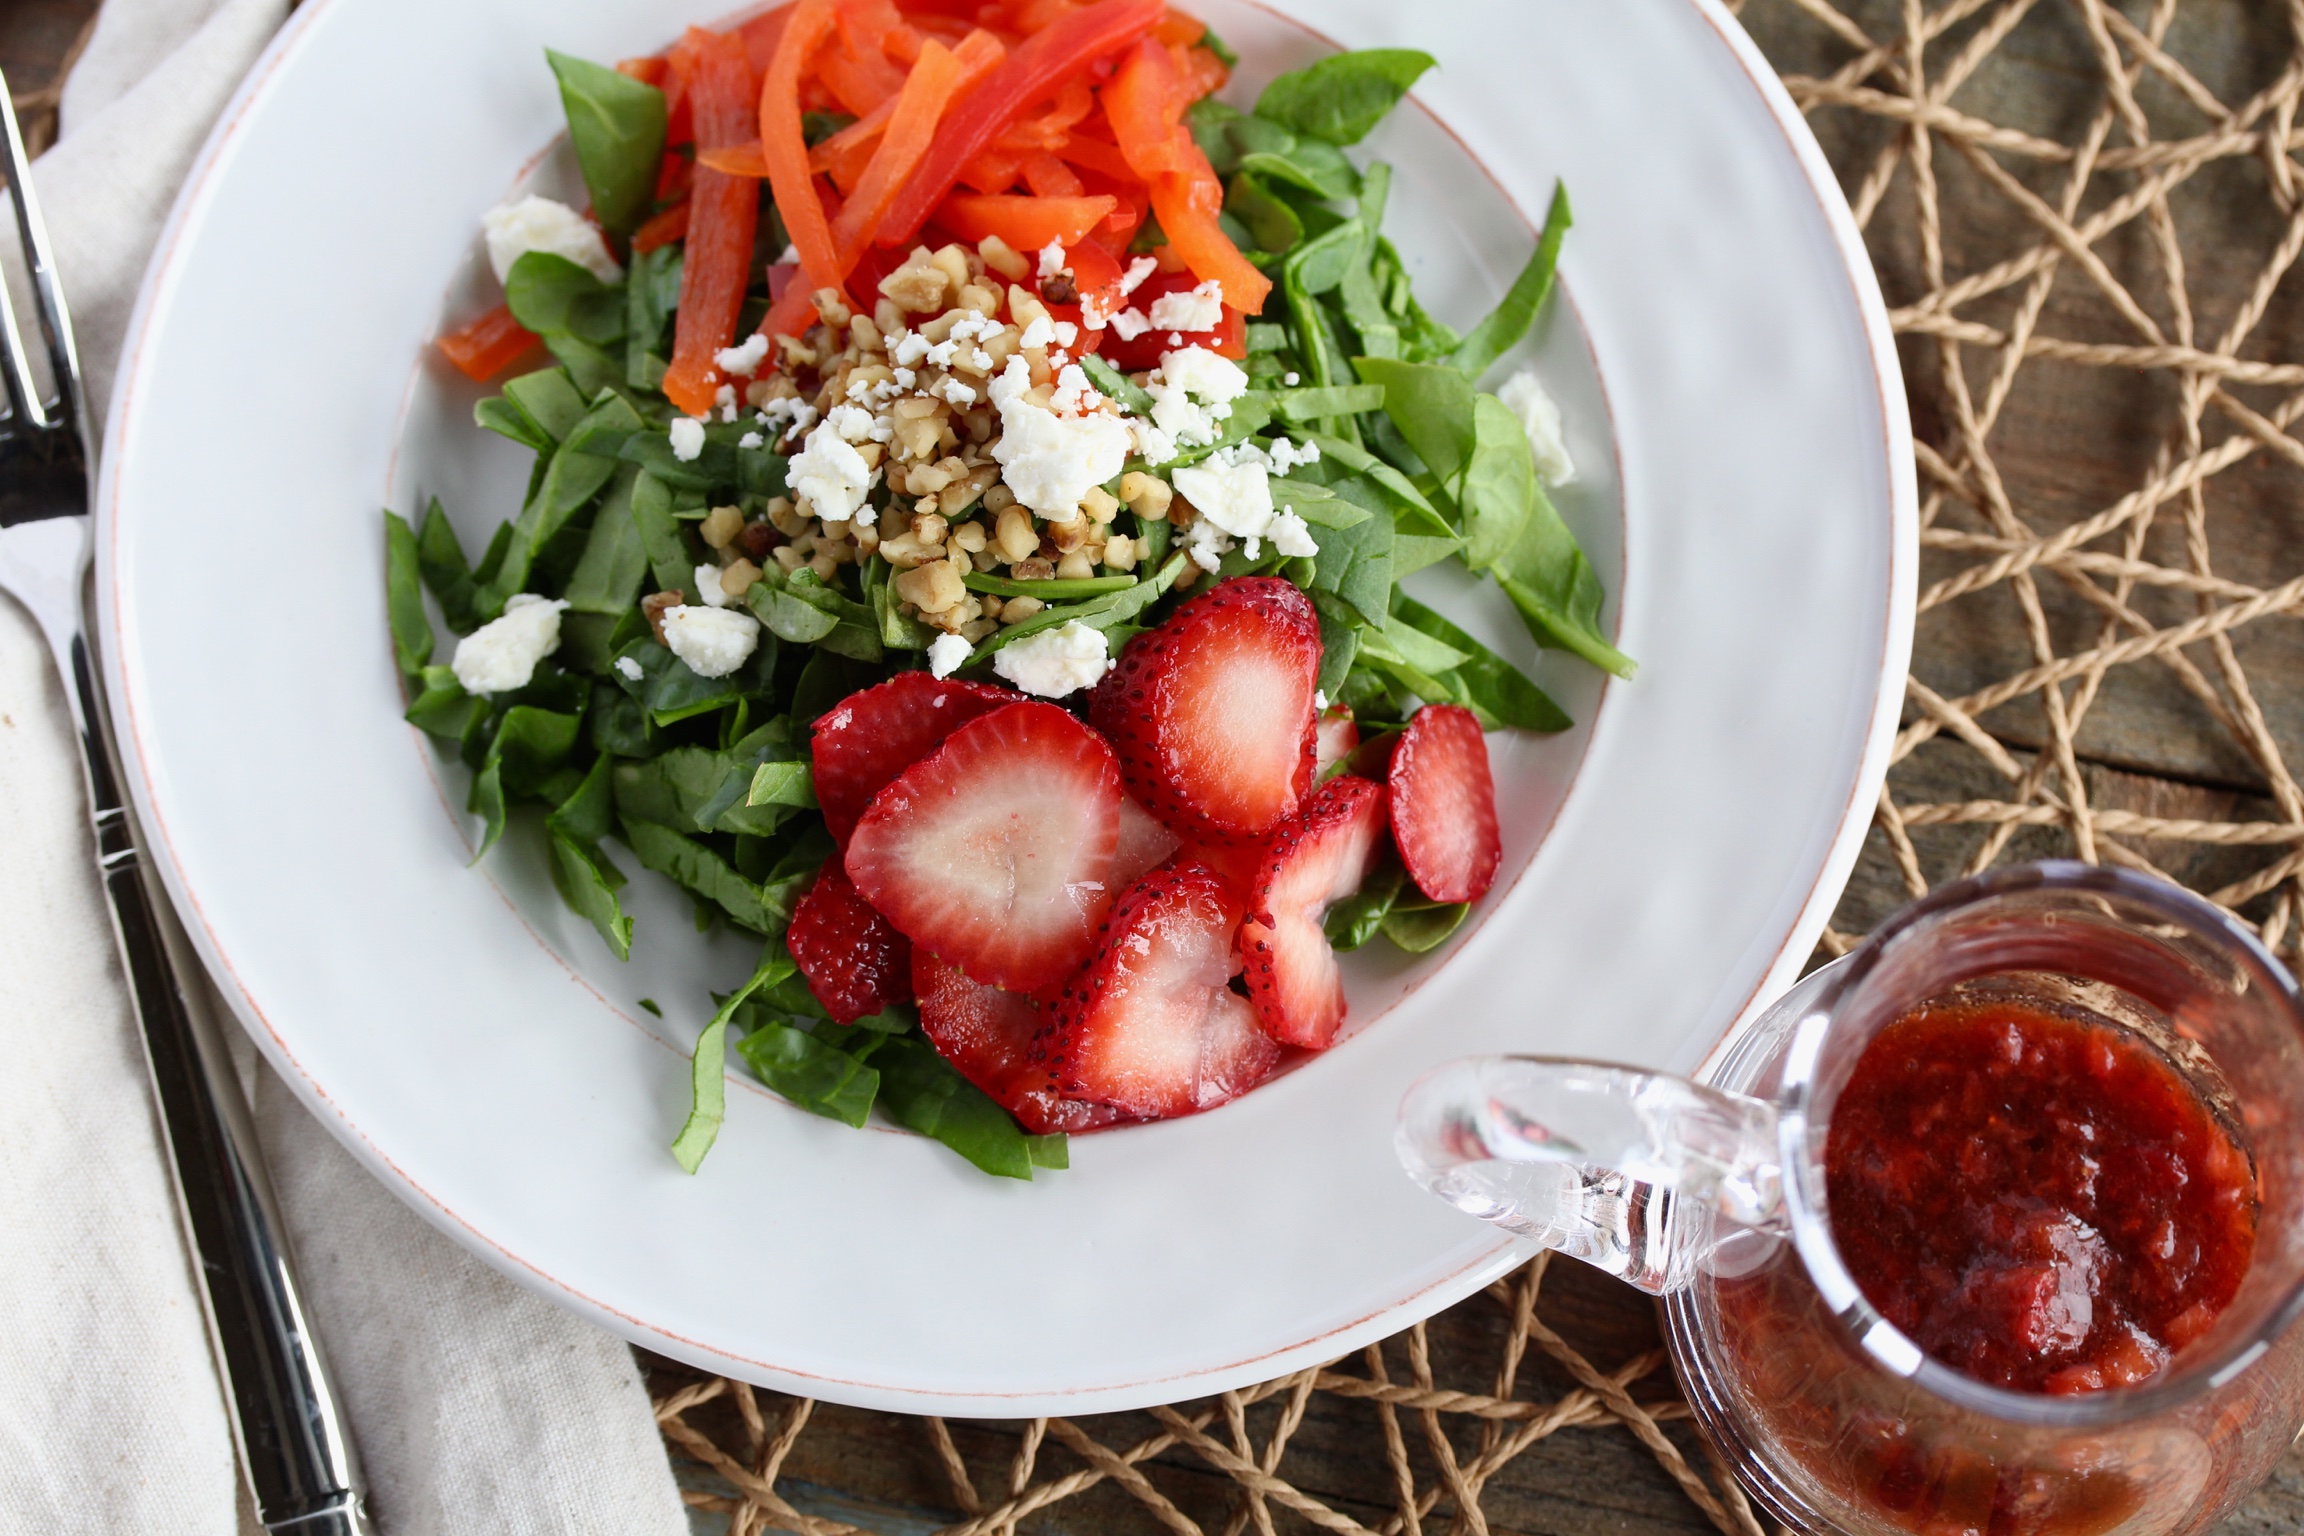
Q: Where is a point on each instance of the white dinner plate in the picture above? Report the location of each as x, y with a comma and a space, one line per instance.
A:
1733, 402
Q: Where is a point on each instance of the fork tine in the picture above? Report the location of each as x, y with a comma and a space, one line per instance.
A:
70, 409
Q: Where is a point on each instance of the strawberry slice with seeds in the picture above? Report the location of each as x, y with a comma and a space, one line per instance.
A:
1145, 843
1151, 1025
1211, 713
853, 961
865, 740
1314, 861
988, 1033
1337, 737
1444, 804
995, 850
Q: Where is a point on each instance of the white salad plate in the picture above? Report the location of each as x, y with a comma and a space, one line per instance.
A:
1733, 404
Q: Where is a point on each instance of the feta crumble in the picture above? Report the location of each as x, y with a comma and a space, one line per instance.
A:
1055, 662
1212, 377
631, 670
1539, 417
946, 653
1181, 421
908, 350
1291, 536
1051, 461
1039, 333
1200, 309
1051, 259
687, 438
829, 477
852, 422
751, 440
725, 398
540, 224
744, 359
708, 586
1138, 270
501, 655
1233, 494
957, 393
713, 641
1130, 324
1074, 396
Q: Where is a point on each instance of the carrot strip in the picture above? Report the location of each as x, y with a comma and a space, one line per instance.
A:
1074, 102
785, 147
666, 227
994, 170
723, 218
1141, 104
1025, 223
1201, 72
487, 346
742, 159
763, 34
1178, 29
1098, 156
1145, 104
858, 79
1027, 74
649, 71
851, 142
935, 79
1048, 176
876, 26
1187, 215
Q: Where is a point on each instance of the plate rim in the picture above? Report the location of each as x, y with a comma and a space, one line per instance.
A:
1793, 949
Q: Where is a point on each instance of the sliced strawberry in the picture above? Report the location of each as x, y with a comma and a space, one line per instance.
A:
1152, 1025
1236, 864
988, 1035
1211, 713
868, 738
1145, 842
1337, 737
1444, 805
995, 850
853, 961
1314, 861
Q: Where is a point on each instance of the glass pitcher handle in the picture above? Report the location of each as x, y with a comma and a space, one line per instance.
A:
1642, 1175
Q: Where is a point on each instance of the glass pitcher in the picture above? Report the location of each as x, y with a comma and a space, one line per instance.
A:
1713, 1196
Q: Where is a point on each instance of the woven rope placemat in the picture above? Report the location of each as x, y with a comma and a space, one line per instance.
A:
2082, 215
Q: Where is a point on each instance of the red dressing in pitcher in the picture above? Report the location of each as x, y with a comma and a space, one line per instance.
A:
2037, 1200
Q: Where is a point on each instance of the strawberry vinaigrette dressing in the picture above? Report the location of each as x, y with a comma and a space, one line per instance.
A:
2038, 1199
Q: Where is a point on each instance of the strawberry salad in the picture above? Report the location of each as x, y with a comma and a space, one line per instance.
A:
975, 468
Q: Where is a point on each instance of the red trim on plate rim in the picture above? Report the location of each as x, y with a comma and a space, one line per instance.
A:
1422, 1302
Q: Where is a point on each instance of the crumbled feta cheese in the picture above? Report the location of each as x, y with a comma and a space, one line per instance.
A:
1285, 455
980, 360
1055, 662
1038, 334
631, 670
1051, 461
1319, 701
501, 655
1235, 496
956, 393
1075, 396
725, 398
540, 224
1291, 378
751, 440
1291, 536
1202, 309
908, 348
974, 327
1175, 338
1206, 544
945, 655
1540, 418
791, 256
828, 477
1138, 270
1051, 259
744, 359
708, 586
687, 438
1130, 324
1214, 378
1067, 334
852, 422
1153, 445
713, 641
906, 378
1093, 314
943, 352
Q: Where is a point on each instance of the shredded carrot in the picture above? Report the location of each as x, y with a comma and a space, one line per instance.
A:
852, 144
859, 78
666, 227
742, 159
1145, 104
723, 217
1201, 72
1179, 30
785, 147
877, 26
934, 80
487, 346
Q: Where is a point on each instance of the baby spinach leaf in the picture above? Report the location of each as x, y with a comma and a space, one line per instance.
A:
1432, 407
441, 560
1341, 98
1501, 331
500, 416
530, 744
1498, 492
588, 882
588, 815
1353, 921
1413, 514
553, 296
1339, 643
444, 709
787, 617
1049, 591
1273, 152
1422, 926
1319, 265
1317, 504
783, 783
607, 577
1053, 1152
412, 637
707, 1069
1270, 222
669, 558
617, 125
820, 1078
896, 631
696, 868
1114, 384
1297, 405
923, 1092
1420, 650
856, 632
1500, 693
651, 297
548, 398
1355, 564
1210, 122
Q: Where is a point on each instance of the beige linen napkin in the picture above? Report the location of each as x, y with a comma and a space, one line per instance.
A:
477, 1407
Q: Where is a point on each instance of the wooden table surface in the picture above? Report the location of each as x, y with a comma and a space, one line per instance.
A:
2146, 746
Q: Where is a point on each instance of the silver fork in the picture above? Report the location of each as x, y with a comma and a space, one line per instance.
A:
292, 1440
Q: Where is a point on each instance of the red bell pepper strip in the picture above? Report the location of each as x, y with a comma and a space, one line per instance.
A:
1048, 176
487, 346
1145, 104
663, 229
1142, 104
785, 148
1096, 275
859, 79
648, 71
723, 217
995, 170
1099, 155
762, 35
1227, 338
879, 24
1179, 29
1028, 74
1026, 223
742, 159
